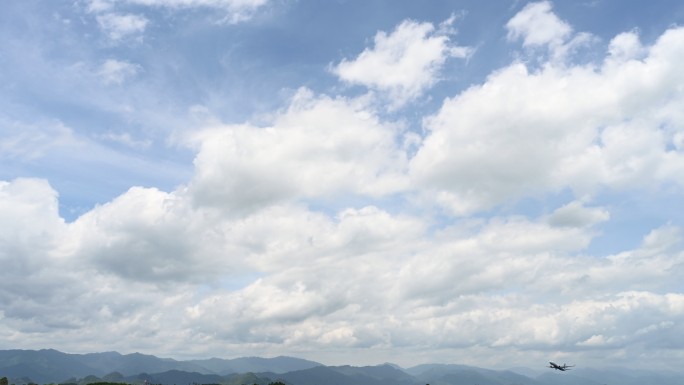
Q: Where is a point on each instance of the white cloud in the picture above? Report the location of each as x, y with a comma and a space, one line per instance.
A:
35, 140
127, 140
444, 296
31, 234
119, 26
403, 63
505, 282
99, 5
662, 240
522, 133
22, 201
235, 10
201, 3
147, 235
114, 71
626, 46
503, 253
575, 214
318, 148
537, 25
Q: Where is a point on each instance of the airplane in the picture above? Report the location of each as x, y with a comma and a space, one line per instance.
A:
562, 368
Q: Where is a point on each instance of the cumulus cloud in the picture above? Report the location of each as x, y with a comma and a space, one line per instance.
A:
577, 215
403, 63
32, 257
626, 46
24, 200
575, 127
318, 148
538, 26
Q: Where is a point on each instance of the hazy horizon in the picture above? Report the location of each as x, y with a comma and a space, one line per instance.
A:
350, 182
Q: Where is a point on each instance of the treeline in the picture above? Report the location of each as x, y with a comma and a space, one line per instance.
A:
123, 383
5, 381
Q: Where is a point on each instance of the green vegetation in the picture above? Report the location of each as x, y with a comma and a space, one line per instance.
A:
106, 383
92, 380
235, 379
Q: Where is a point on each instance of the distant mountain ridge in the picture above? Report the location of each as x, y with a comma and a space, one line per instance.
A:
52, 366
349, 375
280, 364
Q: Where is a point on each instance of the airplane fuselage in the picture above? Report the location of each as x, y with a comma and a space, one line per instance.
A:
562, 368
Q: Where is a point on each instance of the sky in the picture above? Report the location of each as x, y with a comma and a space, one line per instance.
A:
496, 183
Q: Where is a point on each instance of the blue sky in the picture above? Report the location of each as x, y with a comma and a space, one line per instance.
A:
346, 181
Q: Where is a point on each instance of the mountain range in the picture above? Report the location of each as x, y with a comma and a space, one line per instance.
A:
52, 366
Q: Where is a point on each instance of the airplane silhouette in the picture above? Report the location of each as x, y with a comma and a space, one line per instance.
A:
562, 368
